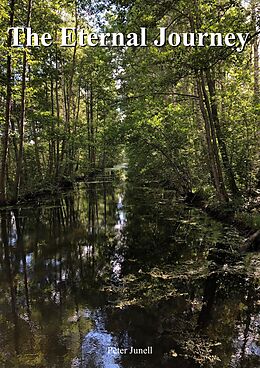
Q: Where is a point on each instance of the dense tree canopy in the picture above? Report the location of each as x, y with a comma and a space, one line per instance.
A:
187, 117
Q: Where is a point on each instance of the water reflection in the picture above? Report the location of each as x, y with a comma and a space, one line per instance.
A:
97, 344
103, 267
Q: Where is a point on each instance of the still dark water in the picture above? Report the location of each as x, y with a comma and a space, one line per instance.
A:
104, 268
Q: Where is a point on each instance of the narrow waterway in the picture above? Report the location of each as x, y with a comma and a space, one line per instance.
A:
116, 276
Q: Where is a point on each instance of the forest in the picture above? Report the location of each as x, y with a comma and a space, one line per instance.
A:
130, 184
67, 113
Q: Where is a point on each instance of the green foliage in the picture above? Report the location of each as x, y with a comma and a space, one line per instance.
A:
87, 108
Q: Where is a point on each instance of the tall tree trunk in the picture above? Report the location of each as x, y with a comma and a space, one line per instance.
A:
52, 149
213, 111
209, 149
255, 10
76, 110
88, 120
57, 164
5, 132
212, 143
23, 103
36, 150
92, 131
68, 102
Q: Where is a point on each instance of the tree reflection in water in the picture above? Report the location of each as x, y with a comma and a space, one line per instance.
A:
76, 277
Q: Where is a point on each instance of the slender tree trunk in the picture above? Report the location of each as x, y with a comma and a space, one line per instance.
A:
52, 140
92, 131
212, 141
91, 128
213, 153
14, 139
58, 114
68, 98
5, 132
36, 150
255, 10
23, 106
88, 120
65, 117
210, 152
213, 111
76, 108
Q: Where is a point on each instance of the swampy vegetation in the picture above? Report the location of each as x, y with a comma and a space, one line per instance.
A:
130, 188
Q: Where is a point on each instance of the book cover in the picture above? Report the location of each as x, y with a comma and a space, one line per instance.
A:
129, 184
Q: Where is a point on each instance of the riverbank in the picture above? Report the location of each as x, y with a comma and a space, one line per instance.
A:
245, 217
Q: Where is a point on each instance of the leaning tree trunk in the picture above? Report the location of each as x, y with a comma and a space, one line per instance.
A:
212, 142
220, 136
